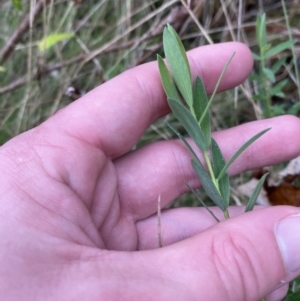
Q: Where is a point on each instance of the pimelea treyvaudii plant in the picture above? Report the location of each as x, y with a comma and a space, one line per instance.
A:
190, 105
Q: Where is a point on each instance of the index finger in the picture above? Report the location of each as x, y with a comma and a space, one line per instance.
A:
115, 115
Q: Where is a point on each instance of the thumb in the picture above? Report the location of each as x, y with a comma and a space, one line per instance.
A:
244, 258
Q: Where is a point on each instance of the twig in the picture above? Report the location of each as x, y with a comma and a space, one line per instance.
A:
201, 28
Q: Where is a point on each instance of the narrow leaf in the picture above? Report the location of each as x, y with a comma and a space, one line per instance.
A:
261, 30
256, 56
276, 67
265, 48
218, 165
254, 77
52, 39
200, 101
279, 87
216, 88
269, 74
184, 142
201, 202
240, 150
189, 122
280, 95
257, 27
178, 63
167, 80
252, 201
17, 4
279, 48
208, 185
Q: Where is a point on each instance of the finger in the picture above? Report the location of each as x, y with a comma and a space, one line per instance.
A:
165, 166
243, 258
278, 294
115, 115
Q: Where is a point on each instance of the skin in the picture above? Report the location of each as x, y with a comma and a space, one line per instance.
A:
78, 208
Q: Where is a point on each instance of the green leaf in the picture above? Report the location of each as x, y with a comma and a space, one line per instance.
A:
240, 150
17, 4
292, 296
280, 95
279, 86
254, 77
204, 176
278, 110
256, 56
294, 109
261, 30
53, 39
184, 141
178, 63
201, 202
252, 201
218, 165
189, 122
2, 69
216, 88
208, 185
276, 67
167, 80
269, 74
279, 48
200, 101
257, 27
265, 48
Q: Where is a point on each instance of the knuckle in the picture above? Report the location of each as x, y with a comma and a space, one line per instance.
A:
235, 261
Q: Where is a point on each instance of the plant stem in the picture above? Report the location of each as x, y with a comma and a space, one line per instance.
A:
226, 214
265, 100
210, 169
286, 17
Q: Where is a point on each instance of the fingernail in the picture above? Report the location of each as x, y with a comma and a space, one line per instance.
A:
287, 232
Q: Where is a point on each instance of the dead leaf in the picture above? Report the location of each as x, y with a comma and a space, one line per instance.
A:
279, 188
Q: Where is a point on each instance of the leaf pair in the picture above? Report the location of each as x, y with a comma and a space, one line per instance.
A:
193, 120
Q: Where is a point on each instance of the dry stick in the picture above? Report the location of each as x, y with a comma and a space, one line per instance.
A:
159, 223
148, 54
202, 30
224, 7
8, 48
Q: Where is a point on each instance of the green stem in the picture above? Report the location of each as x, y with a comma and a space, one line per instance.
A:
266, 99
226, 214
210, 170
293, 47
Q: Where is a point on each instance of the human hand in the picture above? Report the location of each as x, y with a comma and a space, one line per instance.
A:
78, 209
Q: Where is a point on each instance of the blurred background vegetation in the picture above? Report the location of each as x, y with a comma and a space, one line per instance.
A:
107, 37
52, 52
